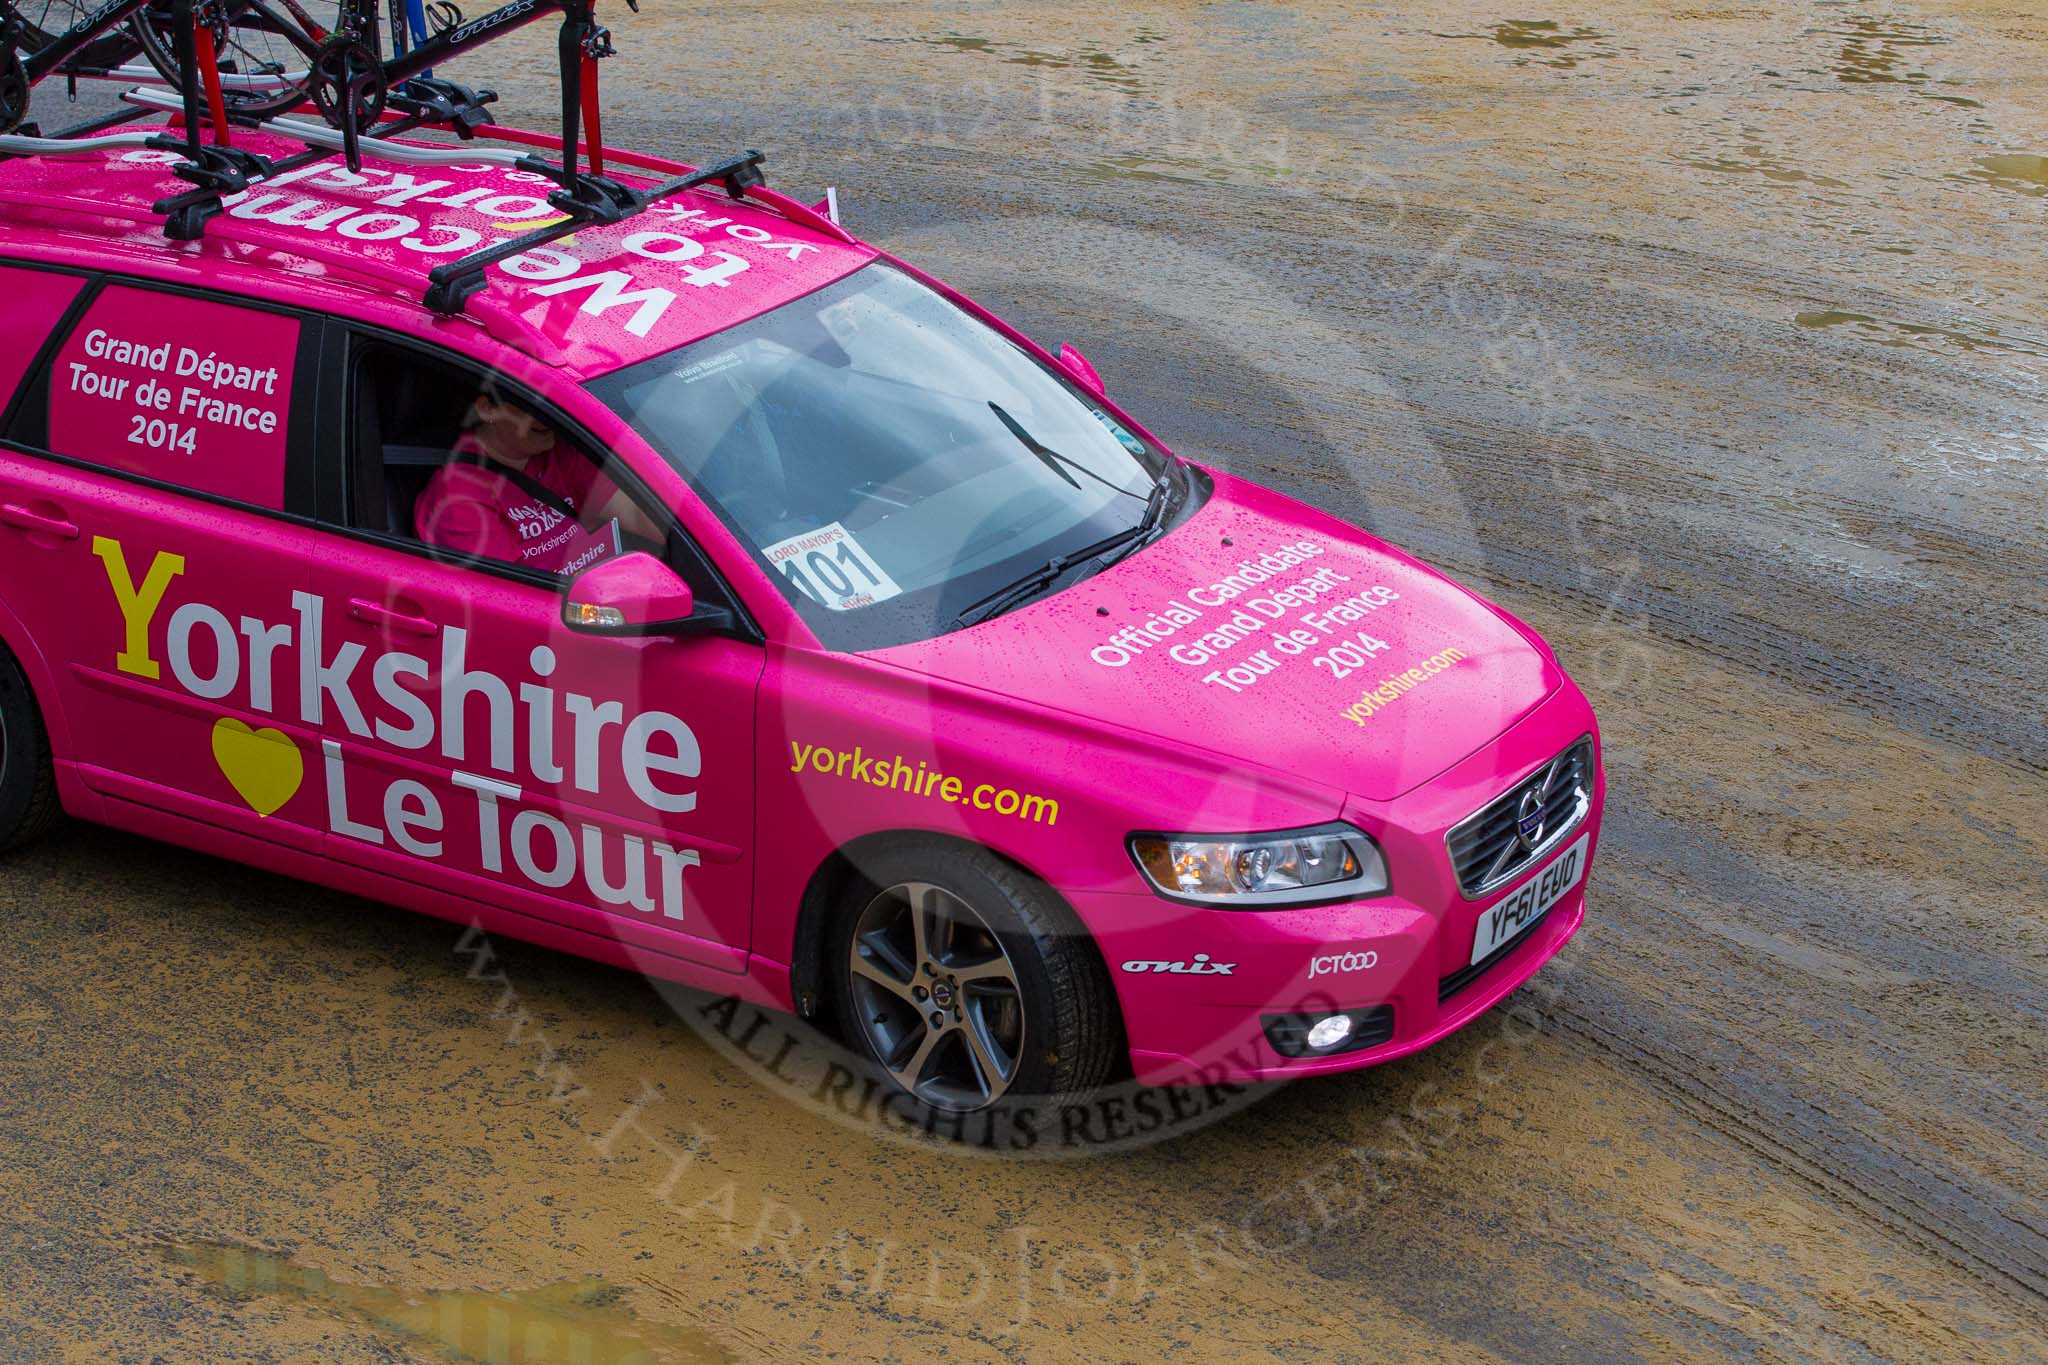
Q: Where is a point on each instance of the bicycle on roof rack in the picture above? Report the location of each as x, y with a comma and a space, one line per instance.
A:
351, 83
31, 52
64, 38
353, 88
343, 71
265, 47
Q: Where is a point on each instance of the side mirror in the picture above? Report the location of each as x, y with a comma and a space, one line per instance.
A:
635, 594
1077, 365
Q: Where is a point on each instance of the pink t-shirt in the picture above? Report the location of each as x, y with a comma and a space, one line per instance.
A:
475, 509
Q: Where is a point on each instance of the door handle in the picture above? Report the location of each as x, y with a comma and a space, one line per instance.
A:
365, 610
21, 519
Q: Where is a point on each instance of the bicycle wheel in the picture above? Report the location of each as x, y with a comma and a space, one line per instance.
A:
264, 63
46, 20
42, 23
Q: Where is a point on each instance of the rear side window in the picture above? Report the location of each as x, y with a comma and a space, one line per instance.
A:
194, 392
32, 302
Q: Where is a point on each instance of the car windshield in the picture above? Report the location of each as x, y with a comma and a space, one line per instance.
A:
898, 465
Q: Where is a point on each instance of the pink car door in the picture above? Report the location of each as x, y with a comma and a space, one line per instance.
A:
603, 784
150, 547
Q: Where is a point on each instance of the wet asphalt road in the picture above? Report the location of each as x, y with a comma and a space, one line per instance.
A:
1710, 342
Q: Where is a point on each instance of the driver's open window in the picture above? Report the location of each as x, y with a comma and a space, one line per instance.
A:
470, 466
472, 470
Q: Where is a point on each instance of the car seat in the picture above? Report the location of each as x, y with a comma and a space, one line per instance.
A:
408, 417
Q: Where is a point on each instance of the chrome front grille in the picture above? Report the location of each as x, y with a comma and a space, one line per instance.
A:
1522, 825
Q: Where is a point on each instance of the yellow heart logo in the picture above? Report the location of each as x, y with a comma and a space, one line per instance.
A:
262, 765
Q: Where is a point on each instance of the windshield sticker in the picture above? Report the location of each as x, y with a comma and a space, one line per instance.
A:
830, 568
1116, 429
843, 322
717, 364
185, 390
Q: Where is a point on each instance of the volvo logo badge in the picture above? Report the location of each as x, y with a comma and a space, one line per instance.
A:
1529, 822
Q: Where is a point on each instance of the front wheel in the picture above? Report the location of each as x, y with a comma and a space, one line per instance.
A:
969, 983
266, 62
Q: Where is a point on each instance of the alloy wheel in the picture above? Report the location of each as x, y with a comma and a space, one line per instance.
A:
936, 996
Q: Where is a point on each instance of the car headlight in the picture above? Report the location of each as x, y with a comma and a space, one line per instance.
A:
1258, 871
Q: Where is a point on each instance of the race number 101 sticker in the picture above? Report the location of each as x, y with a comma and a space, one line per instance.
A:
829, 566
186, 390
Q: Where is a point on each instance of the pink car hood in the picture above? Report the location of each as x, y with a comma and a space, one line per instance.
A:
1279, 592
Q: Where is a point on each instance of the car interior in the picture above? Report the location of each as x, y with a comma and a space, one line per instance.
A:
408, 415
408, 412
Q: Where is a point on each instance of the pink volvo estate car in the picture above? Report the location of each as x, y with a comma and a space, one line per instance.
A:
717, 596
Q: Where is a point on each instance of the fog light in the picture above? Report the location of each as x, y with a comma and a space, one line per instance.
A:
1327, 1033
1319, 1033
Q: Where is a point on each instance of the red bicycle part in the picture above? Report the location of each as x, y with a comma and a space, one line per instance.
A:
209, 66
593, 141
306, 21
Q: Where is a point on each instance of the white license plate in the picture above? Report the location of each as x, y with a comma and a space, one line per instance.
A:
1501, 922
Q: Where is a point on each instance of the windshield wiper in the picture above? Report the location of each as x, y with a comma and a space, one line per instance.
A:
1051, 458
1150, 521
1016, 594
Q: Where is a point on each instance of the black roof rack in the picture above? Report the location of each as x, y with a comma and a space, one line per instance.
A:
591, 200
584, 198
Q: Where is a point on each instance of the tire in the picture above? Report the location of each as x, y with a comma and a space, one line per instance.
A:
14, 92
28, 781
45, 21
262, 37
1048, 1008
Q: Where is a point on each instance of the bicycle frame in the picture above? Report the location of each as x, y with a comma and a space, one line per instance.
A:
430, 53
408, 24
582, 42
54, 54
